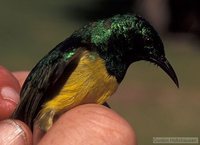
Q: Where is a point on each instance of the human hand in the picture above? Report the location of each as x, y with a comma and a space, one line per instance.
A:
84, 125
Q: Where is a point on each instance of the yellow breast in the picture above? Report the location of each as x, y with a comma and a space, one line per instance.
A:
89, 83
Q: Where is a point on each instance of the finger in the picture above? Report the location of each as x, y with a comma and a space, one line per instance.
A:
90, 124
21, 76
14, 132
9, 93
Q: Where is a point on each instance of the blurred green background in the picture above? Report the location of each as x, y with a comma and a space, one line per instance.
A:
147, 98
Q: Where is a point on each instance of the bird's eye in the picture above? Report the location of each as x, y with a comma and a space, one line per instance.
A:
148, 42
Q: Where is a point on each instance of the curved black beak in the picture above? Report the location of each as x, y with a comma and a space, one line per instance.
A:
166, 66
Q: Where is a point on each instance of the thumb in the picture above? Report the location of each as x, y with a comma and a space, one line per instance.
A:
14, 132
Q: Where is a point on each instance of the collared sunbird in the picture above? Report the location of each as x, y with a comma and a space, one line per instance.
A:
88, 67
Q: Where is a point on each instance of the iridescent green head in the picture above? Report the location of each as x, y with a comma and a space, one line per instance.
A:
124, 39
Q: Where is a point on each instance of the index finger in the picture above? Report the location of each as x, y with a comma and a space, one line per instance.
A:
9, 93
21, 76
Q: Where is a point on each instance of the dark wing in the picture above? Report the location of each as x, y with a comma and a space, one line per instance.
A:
45, 80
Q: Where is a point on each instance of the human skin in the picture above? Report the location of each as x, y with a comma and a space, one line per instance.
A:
84, 125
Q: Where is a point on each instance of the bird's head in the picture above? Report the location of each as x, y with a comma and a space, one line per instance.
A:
125, 39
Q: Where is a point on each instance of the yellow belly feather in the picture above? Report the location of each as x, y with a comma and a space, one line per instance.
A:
88, 83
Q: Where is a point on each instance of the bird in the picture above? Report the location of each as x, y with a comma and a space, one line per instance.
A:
87, 67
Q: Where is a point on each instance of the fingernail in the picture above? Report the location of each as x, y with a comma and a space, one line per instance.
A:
9, 93
11, 133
